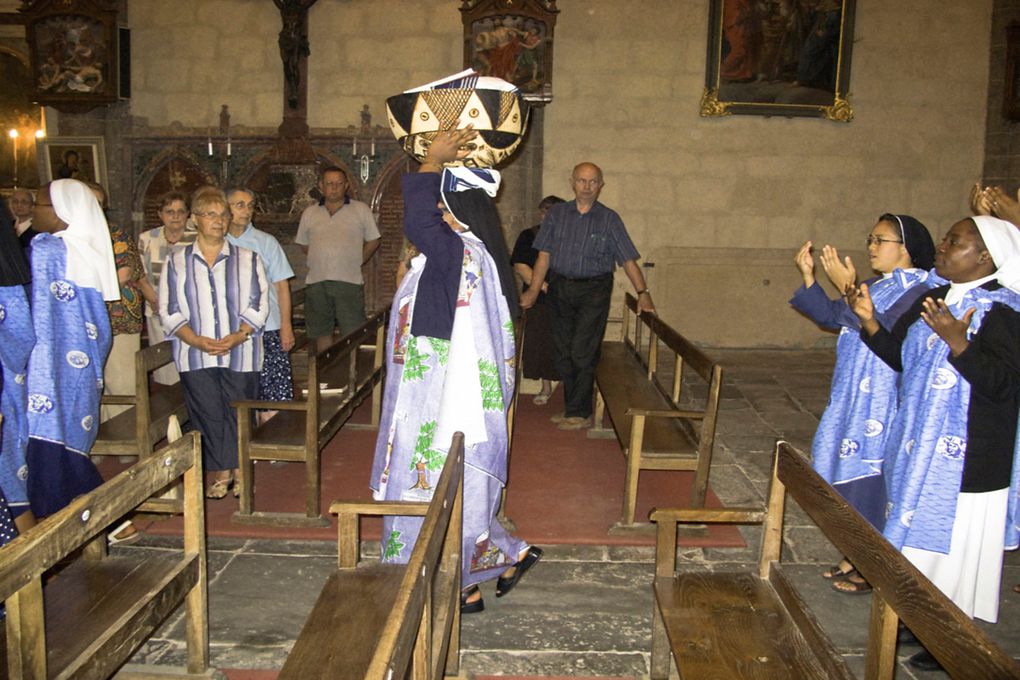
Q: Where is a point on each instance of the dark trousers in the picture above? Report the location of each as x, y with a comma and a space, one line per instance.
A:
579, 312
208, 393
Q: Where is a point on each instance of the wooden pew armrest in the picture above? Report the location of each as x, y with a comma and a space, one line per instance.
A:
248, 404
708, 515
121, 399
665, 413
349, 512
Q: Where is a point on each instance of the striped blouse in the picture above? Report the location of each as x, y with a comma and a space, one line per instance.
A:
214, 301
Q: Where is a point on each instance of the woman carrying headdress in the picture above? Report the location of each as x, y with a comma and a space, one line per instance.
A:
450, 366
950, 456
16, 341
849, 444
73, 275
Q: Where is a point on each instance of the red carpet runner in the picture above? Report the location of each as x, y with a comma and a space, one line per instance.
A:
564, 488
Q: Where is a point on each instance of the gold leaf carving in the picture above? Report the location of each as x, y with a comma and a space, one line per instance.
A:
710, 104
840, 111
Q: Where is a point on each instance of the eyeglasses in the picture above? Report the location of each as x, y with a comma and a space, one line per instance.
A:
223, 217
241, 205
176, 213
878, 241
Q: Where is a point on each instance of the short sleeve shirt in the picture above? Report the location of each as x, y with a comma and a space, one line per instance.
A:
584, 245
335, 241
273, 259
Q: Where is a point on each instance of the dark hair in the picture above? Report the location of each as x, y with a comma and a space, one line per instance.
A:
71, 152
549, 201
332, 168
169, 197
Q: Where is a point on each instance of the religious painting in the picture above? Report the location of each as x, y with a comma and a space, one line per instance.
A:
512, 40
73, 52
20, 121
779, 58
81, 158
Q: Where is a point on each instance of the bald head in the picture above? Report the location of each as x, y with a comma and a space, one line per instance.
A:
586, 181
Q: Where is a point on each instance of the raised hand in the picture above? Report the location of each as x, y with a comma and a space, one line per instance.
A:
980, 203
842, 273
954, 331
805, 262
449, 145
1003, 205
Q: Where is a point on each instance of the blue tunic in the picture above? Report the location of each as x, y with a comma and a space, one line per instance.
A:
849, 444
16, 341
65, 380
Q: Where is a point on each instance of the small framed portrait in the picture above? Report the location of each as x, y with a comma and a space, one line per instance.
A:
779, 58
73, 50
82, 158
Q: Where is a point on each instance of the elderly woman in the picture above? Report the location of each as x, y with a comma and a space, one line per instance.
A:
155, 246
849, 445
450, 367
950, 451
213, 302
73, 274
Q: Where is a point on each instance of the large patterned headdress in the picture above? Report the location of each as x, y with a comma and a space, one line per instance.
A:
493, 106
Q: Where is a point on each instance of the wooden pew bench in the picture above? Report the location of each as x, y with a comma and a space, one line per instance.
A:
756, 625
95, 612
336, 382
139, 429
648, 416
386, 621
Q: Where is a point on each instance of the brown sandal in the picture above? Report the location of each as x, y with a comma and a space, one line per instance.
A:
219, 489
853, 584
836, 571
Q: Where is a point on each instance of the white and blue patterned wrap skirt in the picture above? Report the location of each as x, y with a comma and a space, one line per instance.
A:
65, 380
849, 443
436, 387
927, 443
17, 338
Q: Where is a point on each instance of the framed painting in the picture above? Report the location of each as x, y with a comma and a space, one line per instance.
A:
73, 52
512, 40
81, 158
779, 58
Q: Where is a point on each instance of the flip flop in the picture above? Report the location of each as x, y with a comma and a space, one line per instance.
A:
849, 586
541, 399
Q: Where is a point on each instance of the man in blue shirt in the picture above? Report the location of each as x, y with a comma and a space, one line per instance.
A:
580, 244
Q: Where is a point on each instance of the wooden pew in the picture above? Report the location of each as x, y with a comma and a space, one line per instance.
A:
385, 621
756, 625
137, 430
653, 428
351, 369
95, 613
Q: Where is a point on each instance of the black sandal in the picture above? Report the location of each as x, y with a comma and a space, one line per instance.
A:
471, 607
505, 585
836, 571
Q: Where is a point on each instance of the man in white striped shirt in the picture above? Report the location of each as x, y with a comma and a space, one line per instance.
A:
213, 302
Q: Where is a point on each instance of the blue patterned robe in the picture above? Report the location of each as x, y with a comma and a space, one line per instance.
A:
849, 443
16, 341
927, 445
435, 387
65, 380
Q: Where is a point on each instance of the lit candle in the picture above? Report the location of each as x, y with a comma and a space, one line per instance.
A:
228, 145
373, 146
355, 149
210, 141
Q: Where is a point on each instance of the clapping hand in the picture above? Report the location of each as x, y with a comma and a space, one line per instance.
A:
954, 331
842, 273
805, 262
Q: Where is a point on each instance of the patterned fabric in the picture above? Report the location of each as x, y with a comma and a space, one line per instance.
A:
850, 440
126, 313
275, 381
17, 338
214, 301
435, 387
927, 443
65, 380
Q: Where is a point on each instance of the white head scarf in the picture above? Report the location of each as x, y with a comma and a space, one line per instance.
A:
1002, 240
90, 260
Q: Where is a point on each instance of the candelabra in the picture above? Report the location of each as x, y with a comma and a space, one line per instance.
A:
363, 162
223, 153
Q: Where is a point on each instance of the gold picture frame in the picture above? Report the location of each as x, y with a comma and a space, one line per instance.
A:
82, 158
779, 58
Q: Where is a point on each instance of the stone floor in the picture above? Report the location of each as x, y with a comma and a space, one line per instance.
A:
584, 610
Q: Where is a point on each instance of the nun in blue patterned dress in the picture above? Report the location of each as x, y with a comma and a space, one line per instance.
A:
450, 367
73, 275
16, 341
950, 456
849, 444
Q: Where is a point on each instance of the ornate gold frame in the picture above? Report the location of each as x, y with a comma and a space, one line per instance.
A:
761, 96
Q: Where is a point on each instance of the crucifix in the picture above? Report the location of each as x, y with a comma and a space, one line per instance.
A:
294, 52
